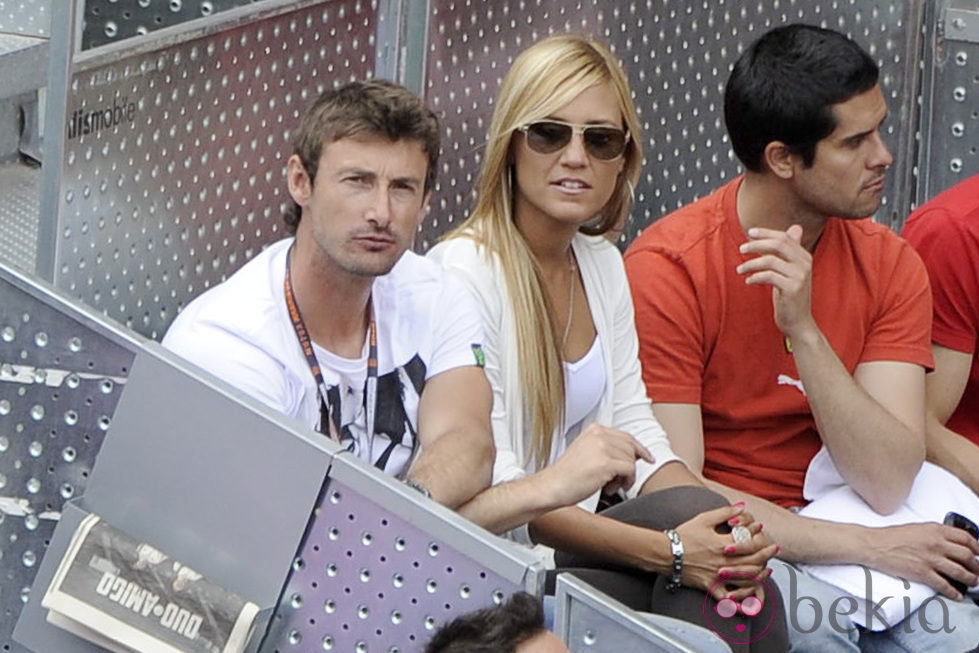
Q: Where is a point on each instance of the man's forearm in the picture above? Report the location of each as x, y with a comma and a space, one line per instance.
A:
877, 453
505, 506
455, 467
953, 452
945, 387
802, 539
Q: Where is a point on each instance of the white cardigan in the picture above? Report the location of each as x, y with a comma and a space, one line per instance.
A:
623, 405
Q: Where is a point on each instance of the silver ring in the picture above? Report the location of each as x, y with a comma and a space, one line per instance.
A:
740, 534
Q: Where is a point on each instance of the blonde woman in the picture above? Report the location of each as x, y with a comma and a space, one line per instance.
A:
570, 413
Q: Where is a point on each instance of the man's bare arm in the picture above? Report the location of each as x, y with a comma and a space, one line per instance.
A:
918, 551
944, 390
457, 452
879, 409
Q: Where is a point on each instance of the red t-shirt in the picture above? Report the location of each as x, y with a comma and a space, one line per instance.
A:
945, 231
707, 338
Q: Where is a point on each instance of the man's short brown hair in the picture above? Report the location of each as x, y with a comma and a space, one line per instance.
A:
375, 108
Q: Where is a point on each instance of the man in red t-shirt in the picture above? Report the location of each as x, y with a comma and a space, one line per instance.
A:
945, 231
774, 319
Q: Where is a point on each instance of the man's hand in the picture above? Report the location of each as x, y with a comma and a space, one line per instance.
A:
783, 263
924, 552
600, 457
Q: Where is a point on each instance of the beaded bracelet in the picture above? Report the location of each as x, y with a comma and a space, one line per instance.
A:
676, 547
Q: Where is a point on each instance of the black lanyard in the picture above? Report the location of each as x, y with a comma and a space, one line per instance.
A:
307, 346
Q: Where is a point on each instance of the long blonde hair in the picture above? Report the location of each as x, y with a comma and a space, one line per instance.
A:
543, 79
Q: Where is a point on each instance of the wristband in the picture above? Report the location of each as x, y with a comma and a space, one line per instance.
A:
418, 487
676, 547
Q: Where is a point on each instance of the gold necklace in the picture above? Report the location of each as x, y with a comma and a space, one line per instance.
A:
571, 294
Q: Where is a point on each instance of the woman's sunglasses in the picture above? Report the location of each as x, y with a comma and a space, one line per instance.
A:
549, 136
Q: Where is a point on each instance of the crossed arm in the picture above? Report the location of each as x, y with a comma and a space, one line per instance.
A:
945, 387
872, 423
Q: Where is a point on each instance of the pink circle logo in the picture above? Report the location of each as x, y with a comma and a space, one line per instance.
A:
719, 614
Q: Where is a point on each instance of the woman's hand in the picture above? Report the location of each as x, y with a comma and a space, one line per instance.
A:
714, 562
600, 457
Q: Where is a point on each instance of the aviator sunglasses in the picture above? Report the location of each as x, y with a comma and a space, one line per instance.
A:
549, 136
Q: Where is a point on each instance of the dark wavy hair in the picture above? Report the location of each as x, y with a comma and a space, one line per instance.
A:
374, 108
500, 629
784, 86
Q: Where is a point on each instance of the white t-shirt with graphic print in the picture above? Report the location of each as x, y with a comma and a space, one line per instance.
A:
427, 323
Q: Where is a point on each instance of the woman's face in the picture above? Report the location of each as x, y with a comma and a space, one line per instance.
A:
571, 185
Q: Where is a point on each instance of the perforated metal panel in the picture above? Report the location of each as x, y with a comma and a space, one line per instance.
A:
677, 55
179, 179
588, 620
950, 101
380, 573
60, 379
18, 215
107, 21
27, 17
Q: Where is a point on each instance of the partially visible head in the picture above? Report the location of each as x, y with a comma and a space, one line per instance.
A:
374, 108
783, 88
543, 79
516, 626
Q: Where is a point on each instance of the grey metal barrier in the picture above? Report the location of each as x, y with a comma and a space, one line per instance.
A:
235, 490
588, 620
62, 370
381, 569
173, 141
202, 472
165, 152
24, 30
950, 97
677, 56
108, 21
26, 17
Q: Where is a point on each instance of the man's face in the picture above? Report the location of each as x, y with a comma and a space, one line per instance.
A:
847, 176
366, 202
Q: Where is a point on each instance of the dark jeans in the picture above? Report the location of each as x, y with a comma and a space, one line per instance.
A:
646, 592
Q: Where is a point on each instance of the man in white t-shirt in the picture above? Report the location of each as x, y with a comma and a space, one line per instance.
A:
341, 327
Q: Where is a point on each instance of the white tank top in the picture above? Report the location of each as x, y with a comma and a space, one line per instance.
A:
584, 385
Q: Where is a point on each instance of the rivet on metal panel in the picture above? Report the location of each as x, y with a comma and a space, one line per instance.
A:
962, 25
